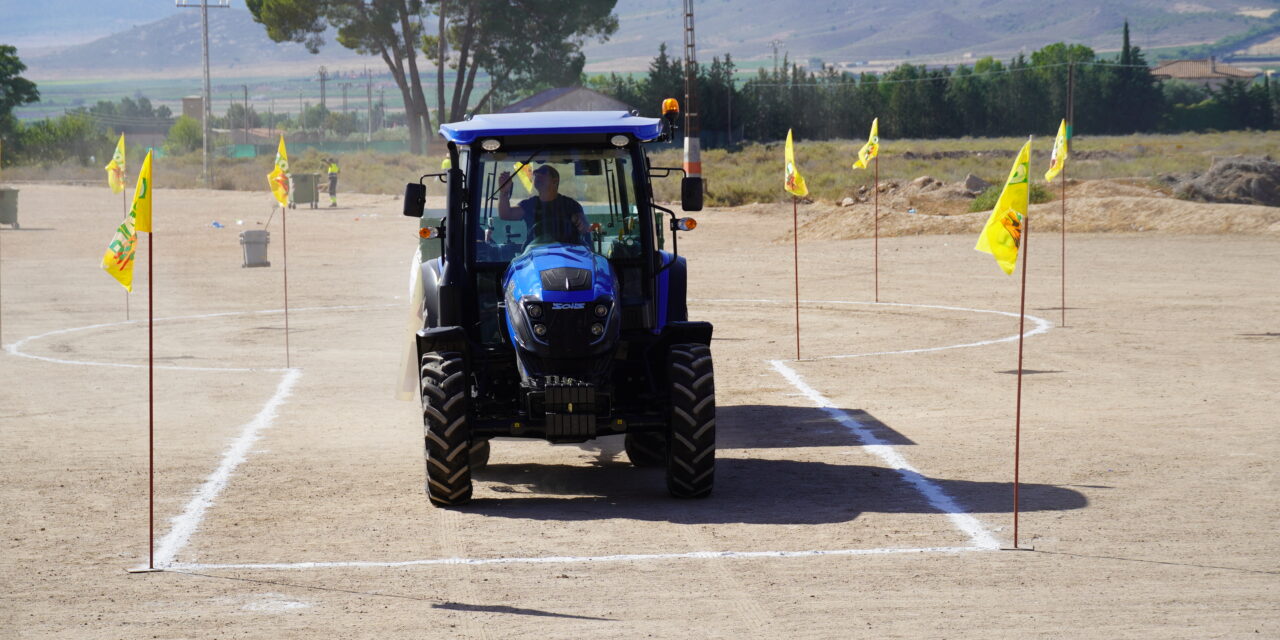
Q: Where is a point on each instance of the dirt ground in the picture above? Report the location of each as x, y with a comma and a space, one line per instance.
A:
1149, 439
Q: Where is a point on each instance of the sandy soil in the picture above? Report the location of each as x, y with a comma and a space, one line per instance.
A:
1149, 433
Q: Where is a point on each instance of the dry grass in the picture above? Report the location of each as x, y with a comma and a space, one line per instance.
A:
754, 172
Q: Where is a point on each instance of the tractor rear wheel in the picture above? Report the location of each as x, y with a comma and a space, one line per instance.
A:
479, 454
646, 448
447, 436
691, 445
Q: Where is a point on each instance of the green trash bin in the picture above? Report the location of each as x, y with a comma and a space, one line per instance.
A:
306, 189
9, 206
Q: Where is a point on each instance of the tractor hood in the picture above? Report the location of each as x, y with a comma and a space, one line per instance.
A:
561, 305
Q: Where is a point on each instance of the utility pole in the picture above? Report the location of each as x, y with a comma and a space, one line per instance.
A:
775, 44
324, 75
246, 113
692, 141
368, 88
204, 6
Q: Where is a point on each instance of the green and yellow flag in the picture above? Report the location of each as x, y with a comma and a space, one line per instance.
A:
793, 182
279, 176
1002, 235
872, 148
1059, 157
115, 168
118, 259
525, 173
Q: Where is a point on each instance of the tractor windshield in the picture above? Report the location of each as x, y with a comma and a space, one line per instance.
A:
534, 197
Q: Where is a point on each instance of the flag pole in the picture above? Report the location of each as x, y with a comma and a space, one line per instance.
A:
876, 215
1022, 321
1071, 90
151, 407
795, 255
124, 198
284, 244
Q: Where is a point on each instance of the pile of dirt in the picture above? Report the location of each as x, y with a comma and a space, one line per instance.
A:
1236, 180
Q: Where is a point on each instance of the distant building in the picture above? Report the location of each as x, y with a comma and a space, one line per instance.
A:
567, 99
1209, 73
191, 106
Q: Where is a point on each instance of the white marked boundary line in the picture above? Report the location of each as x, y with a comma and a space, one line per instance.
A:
978, 535
15, 348
185, 525
692, 555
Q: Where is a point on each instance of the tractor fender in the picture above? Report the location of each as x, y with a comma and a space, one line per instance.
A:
431, 270
672, 294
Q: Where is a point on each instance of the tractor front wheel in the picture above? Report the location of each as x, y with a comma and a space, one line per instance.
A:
447, 435
646, 448
691, 444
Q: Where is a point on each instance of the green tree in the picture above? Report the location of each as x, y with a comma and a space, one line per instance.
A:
186, 135
389, 29
523, 45
15, 90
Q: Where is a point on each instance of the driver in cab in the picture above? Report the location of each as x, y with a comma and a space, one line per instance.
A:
548, 215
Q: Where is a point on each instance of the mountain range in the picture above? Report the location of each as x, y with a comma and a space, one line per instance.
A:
69, 38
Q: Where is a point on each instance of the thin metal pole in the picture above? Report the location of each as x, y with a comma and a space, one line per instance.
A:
284, 243
208, 95
124, 197
1064, 244
795, 254
151, 407
876, 215
1017, 430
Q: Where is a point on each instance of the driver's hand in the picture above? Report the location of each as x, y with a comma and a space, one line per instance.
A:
504, 179
580, 222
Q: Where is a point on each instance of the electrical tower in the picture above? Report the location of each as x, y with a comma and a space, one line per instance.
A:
204, 6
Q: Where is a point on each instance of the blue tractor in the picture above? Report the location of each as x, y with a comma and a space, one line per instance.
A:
551, 306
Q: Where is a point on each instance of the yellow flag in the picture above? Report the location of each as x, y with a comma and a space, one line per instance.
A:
115, 168
1059, 157
526, 177
118, 259
793, 181
1002, 235
279, 176
872, 148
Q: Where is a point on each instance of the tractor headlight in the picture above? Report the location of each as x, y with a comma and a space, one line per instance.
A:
601, 310
539, 330
490, 144
533, 309
597, 329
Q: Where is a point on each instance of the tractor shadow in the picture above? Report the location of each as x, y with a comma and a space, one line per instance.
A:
749, 489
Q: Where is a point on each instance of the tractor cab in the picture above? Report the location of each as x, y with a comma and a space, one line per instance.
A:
549, 288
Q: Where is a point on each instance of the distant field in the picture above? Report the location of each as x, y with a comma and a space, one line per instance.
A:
754, 173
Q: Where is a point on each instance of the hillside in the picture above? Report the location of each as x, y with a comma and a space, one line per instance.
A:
845, 32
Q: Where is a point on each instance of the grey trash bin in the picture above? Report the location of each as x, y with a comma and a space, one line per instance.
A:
9, 206
255, 248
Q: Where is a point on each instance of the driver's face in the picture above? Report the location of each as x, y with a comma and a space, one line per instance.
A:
543, 180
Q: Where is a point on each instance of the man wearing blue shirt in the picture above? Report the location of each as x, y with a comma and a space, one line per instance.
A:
548, 214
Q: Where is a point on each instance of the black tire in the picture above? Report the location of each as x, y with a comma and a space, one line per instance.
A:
479, 454
447, 438
691, 442
646, 448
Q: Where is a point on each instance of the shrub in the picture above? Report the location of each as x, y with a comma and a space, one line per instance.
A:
185, 136
986, 200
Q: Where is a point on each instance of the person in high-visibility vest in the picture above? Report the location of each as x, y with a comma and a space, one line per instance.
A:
333, 182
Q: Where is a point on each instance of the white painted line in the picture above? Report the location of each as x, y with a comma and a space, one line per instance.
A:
15, 348
692, 555
185, 525
1042, 325
938, 498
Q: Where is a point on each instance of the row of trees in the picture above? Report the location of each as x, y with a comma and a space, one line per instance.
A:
522, 45
1027, 95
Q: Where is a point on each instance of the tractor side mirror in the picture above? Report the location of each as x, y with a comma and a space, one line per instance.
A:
415, 199
691, 194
